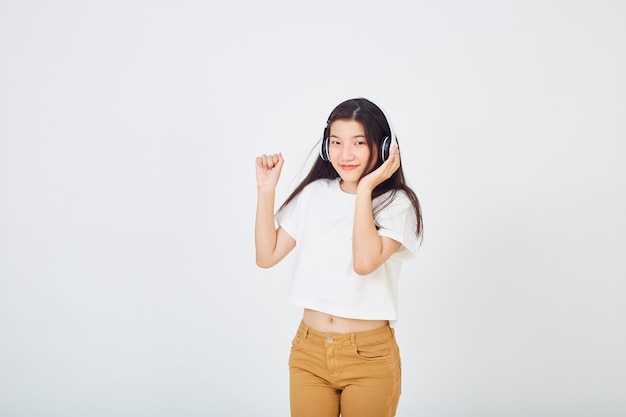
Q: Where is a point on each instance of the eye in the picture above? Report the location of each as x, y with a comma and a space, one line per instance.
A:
334, 142
360, 142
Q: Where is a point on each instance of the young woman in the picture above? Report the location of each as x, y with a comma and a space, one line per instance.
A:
352, 221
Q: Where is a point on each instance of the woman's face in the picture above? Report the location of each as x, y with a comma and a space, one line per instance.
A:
349, 153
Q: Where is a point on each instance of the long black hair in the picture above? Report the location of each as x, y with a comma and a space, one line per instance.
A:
376, 127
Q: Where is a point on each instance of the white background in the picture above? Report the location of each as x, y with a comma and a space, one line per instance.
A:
128, 132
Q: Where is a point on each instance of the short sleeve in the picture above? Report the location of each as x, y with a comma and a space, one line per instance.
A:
397, 221
287, 217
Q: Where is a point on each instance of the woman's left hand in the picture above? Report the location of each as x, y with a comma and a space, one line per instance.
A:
383, 172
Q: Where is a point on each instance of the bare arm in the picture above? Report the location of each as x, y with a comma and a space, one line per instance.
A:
272, 244
369, 250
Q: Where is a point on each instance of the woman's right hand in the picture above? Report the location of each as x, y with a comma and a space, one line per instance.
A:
268, 169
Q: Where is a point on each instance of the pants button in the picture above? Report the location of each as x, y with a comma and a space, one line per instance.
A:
330, 340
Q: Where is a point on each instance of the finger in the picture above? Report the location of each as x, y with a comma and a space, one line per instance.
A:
270, 161
279, 160
396, 162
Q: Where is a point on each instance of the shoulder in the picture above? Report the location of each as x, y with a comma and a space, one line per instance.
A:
325, 183
321, 185
395, 198
312, 189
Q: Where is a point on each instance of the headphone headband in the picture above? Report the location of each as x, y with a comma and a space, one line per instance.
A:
385, 144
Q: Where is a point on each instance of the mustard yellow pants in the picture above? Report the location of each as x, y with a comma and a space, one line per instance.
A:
352, 375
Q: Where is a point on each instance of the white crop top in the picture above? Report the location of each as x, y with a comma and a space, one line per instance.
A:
320, 219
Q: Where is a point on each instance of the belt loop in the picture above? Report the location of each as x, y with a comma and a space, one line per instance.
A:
353, 339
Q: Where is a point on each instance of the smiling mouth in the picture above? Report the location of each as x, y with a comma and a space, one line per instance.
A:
349, 167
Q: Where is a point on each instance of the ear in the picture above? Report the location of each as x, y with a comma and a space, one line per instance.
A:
324, 151
385, 148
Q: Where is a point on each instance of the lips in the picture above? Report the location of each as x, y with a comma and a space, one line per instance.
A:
348, 167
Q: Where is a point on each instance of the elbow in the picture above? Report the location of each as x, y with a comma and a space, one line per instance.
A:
363, 267
265, 261
261, 263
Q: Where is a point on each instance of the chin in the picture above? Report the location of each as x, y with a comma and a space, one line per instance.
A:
351, 178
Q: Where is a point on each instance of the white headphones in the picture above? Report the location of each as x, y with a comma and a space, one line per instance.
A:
385, 146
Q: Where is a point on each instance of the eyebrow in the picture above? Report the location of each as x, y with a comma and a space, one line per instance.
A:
353, 137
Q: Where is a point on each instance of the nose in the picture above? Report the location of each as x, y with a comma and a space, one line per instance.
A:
346, 153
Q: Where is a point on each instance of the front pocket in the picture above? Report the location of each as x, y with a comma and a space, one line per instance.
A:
374, 352
297, 341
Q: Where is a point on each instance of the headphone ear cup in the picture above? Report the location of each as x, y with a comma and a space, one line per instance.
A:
324, 150
384, 149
